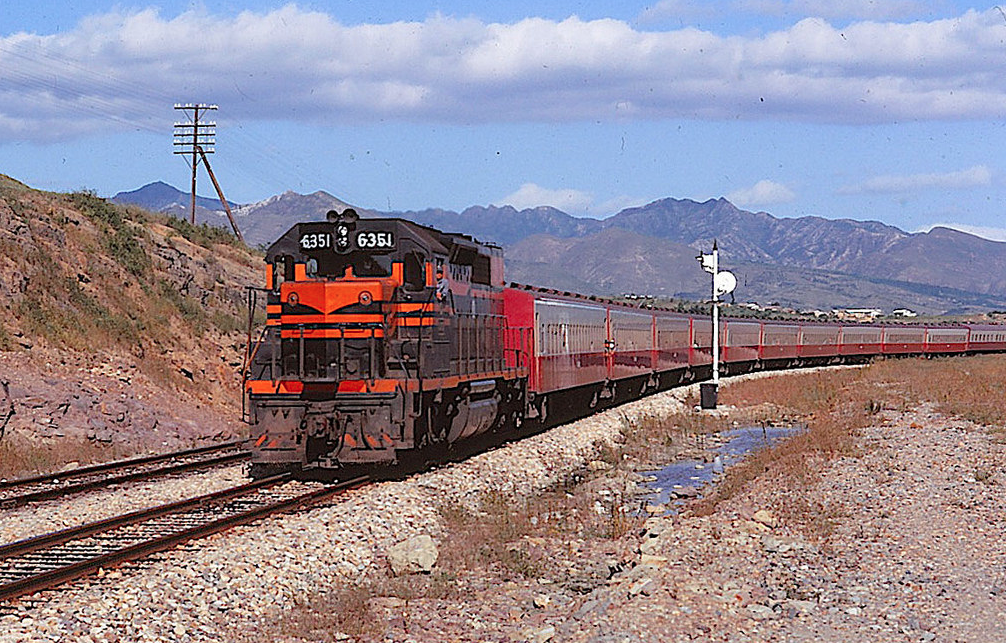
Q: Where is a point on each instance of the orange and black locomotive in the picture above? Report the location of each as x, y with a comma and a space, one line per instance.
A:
381, 336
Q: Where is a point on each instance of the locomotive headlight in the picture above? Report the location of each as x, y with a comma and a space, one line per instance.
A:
293, 299
366, 298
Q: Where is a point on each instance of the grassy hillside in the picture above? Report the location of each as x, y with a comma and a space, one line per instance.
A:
80, 274
119, 325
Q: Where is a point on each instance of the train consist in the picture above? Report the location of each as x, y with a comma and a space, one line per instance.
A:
384, 338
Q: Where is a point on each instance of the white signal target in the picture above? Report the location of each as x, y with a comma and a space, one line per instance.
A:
724, 282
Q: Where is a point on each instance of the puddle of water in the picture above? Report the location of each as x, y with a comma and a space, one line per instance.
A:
687, 477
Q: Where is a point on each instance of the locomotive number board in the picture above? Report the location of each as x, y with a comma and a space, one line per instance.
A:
375, 240
365, 240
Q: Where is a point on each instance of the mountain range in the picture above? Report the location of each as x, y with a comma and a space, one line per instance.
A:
805, 262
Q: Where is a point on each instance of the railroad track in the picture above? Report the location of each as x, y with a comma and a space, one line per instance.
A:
45, 561
15, 493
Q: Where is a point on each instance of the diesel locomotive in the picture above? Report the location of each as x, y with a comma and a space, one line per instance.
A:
384, 338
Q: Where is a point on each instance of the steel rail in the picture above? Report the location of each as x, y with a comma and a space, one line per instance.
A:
198, 518
117, 464
48, 493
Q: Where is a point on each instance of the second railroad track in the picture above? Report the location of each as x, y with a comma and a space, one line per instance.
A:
42, 562
15, 493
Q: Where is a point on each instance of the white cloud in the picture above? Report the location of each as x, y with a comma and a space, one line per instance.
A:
992, 234
763, 192
531, 195
570, 201
124, 70
976, 176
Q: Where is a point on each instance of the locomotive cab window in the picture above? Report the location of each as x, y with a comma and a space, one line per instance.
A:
282, 270
415, 271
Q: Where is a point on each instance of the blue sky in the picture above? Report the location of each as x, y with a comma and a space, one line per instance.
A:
868, 109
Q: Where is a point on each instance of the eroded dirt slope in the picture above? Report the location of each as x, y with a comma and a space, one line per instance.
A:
122, 329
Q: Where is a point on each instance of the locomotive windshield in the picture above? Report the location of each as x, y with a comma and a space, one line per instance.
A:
333, 266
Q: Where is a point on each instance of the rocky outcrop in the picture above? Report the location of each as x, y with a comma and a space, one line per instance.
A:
120, 327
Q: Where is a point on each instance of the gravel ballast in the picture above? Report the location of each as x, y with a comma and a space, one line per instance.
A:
253, 571
916, 554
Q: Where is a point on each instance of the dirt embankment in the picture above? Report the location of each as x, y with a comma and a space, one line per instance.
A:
122, 330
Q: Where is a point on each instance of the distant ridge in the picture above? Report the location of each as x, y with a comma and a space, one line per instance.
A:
161, 197
805, 262
265, 221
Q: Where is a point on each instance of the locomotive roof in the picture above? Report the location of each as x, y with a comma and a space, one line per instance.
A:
447, 243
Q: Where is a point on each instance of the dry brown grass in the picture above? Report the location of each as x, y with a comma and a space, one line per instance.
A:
660, 439
834, 405
325, 618
100, 281
21, 457
508, 538
501, 535
972, 388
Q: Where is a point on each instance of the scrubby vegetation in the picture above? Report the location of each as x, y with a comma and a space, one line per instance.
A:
57, 307
835, 404
95, 275
121, 230
20, 456
507, 538
203, 234
87, 284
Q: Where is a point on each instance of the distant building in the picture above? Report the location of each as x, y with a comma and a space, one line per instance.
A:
903, 312
859, 314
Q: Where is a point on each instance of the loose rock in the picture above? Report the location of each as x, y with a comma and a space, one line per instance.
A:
415, 555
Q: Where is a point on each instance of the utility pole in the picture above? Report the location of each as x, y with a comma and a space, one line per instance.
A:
192, 135
194, 139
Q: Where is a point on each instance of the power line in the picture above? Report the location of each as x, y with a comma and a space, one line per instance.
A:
104, 95
192, 137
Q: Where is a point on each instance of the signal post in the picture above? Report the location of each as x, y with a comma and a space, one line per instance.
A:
723, 282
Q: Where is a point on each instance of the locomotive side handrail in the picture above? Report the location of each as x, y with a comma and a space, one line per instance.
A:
251, 351
479, 343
